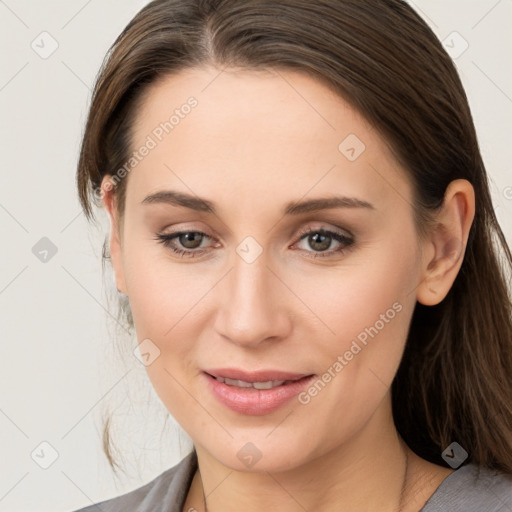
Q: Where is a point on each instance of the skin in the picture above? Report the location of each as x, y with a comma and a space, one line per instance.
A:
256, 141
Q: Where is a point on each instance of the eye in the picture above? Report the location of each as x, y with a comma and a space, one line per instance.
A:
191, 240
321, 239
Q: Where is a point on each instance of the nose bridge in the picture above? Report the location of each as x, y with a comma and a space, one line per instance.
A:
249, 311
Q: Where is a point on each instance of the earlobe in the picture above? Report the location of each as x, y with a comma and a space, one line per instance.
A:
447, 243
110, 205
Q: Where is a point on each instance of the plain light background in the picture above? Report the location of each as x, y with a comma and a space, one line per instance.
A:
58, 370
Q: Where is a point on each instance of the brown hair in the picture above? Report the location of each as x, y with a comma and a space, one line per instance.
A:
454, 382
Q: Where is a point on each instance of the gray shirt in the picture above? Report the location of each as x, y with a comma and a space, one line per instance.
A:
468, 489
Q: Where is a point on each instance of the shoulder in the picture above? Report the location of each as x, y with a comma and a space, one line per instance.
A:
166, 492
472, 488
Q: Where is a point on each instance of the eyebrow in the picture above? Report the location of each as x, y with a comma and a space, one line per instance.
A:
292, 208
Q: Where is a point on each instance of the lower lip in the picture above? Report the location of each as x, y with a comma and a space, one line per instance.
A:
256, 402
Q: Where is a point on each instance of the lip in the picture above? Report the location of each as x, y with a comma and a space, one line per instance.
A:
251, 401
254, 376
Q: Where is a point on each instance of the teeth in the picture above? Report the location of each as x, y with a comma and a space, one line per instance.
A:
257, 385
269, 384
238, 383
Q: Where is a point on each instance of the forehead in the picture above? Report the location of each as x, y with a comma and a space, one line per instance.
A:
274, 134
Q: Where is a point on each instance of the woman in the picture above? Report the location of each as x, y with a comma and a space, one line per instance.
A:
302, 225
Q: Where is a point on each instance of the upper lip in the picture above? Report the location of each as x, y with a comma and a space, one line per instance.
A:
254, 376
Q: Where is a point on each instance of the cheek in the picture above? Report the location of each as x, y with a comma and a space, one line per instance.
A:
165, 303
364, 310
161, 290
368, 299
359, 343
168, 301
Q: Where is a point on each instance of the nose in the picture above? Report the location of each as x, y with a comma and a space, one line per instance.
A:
253, 304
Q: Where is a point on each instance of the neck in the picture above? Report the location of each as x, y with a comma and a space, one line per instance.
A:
371, 471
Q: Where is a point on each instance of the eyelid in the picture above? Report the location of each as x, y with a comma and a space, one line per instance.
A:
323, 227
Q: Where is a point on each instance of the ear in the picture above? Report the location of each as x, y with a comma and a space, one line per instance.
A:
110, 204
445, 246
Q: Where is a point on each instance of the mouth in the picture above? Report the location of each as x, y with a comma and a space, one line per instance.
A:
254, 384
263, 379
255, 393
269, 384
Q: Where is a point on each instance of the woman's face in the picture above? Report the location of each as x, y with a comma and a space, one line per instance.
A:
253, 291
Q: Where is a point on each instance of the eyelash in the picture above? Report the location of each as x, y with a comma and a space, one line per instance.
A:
166, 240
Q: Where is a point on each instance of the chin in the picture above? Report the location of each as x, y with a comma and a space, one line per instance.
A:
258, 453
